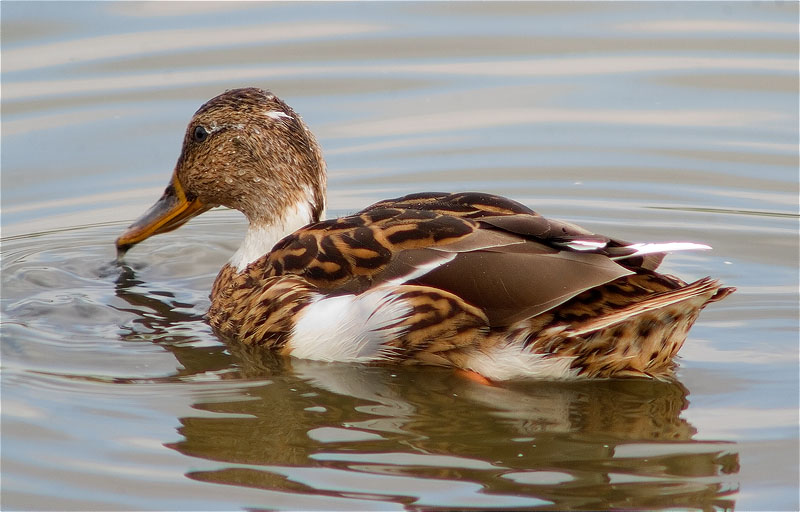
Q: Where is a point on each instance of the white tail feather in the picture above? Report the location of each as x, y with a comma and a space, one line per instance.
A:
585, 245
645, 248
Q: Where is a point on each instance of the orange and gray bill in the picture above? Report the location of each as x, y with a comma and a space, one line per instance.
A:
171, 211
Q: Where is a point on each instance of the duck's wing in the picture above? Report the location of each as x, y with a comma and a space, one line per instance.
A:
512, 216
492, 252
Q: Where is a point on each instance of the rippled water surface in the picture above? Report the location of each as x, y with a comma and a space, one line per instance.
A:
646, 121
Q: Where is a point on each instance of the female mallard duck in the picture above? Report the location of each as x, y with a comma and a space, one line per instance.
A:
471, 280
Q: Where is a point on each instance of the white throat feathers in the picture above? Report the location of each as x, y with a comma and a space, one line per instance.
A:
260, 238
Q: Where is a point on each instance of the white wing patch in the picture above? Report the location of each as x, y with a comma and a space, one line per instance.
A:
352, 328
421, 270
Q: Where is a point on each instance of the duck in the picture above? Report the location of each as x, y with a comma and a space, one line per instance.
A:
472, 281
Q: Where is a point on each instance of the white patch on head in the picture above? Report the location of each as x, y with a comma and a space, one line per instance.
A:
349, 328
643, 248
260, 239
276, 114
512, 361
212, 127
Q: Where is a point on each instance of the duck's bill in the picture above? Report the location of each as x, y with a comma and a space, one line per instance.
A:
171, 211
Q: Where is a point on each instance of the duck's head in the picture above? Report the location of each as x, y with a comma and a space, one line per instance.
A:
248, 150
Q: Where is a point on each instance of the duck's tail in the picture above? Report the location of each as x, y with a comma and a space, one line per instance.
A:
641, 338
692, 297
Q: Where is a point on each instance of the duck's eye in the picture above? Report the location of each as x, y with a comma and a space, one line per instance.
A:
200, 134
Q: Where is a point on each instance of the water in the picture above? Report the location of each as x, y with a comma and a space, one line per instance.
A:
646, 121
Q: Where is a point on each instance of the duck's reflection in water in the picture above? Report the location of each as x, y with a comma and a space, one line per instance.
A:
334, 428
427, 437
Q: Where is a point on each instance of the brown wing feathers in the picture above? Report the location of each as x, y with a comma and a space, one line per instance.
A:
330, 254
511, 274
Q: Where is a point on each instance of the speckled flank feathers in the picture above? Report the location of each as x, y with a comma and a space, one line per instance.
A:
469, 280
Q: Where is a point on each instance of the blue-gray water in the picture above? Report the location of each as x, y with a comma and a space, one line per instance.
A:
646, 121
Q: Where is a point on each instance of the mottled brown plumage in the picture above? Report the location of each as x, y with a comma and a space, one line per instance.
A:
469, 280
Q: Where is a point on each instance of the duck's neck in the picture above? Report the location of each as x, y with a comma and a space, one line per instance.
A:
262, 236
